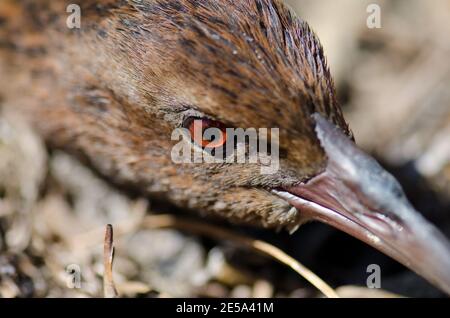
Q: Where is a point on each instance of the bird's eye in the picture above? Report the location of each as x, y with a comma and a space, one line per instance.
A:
207, 133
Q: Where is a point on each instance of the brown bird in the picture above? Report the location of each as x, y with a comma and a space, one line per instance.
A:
114, 90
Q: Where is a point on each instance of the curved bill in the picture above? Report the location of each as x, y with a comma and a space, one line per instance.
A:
356, 195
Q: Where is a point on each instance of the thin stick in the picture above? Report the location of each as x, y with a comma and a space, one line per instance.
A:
109, 289
169, 221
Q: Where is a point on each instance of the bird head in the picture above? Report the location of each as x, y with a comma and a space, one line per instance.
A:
147, 68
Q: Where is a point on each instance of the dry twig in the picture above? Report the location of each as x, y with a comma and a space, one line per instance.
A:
170, 221
109, 290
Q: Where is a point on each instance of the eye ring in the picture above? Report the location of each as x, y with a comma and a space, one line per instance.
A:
198, 126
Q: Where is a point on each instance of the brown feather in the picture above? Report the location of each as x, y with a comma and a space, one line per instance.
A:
114, 90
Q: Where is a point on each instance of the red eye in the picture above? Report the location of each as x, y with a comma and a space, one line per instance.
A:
199, 134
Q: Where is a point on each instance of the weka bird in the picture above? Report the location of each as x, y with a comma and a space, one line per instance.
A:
115, 89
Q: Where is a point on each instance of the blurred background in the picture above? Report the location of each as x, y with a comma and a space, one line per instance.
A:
393, 83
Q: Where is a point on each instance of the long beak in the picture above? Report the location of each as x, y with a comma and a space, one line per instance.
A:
356, 195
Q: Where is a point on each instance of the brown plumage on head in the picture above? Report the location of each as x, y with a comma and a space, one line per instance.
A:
122, 82
114, 90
